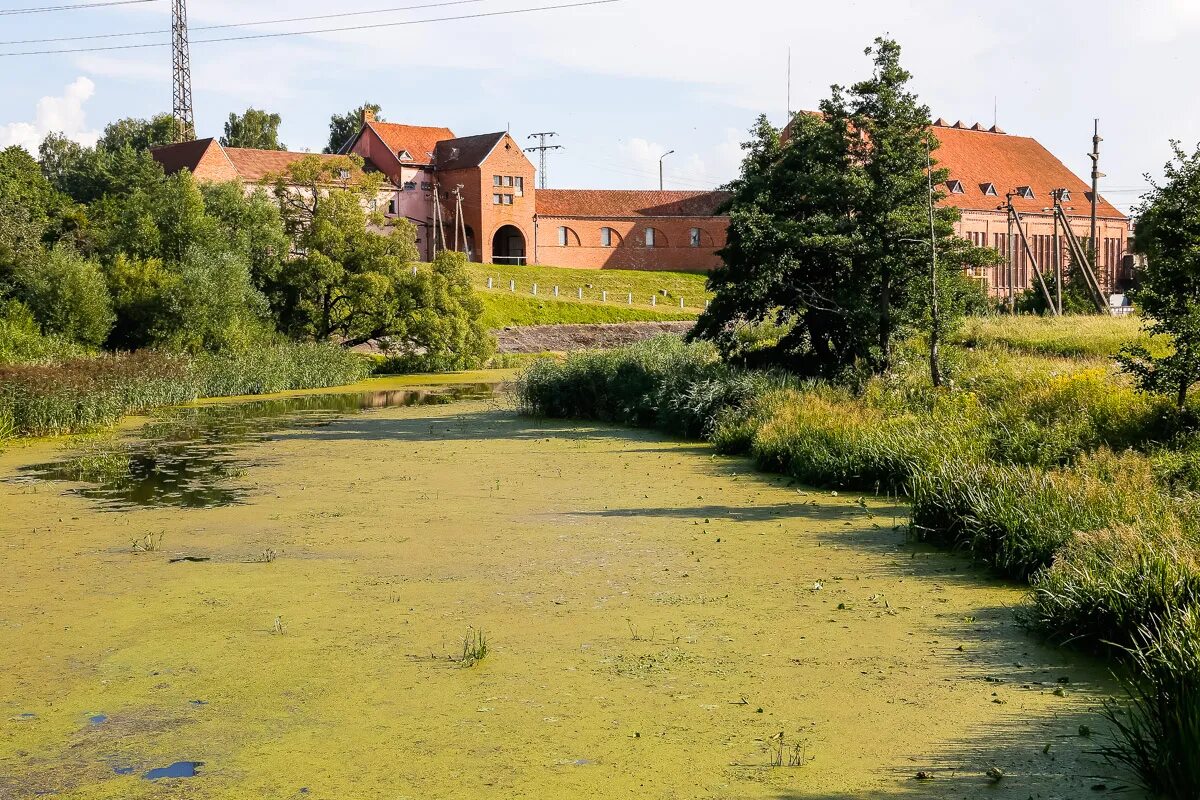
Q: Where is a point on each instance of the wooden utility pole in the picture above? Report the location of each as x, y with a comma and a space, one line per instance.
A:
1057, 255
935, 370
1010, 258
1094, 230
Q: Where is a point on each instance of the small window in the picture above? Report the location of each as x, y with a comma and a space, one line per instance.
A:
606, 237
989, 189
496, 199
497, 180
507, 199
1025, 192
955, 187
695, 237
508, 180
344, 174
392, 207
649, 237
562, 236
519, 183
426, 186
404, 155
1064, 195
410, 186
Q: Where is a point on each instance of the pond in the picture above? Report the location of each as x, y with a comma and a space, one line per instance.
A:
438, 598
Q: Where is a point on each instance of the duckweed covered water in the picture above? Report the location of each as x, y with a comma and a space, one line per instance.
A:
190, 457
661, 623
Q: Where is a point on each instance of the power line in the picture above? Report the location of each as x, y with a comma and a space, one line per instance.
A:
195, 28
43, 9
344, 29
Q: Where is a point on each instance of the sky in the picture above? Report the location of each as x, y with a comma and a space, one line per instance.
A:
624, 82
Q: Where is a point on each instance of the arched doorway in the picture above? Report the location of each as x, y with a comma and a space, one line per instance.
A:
508, 246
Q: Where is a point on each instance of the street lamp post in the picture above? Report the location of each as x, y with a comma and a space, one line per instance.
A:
660, 168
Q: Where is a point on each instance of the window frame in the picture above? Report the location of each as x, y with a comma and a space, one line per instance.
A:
696, 237
606, 236
651, 237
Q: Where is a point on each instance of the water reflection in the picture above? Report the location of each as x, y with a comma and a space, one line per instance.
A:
187, 457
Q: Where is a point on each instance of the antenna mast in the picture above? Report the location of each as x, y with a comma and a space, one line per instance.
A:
185, 122
541, 149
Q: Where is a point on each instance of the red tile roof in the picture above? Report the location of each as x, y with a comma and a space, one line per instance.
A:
254, 165
419, 141
616, 203
186, 155
979, 157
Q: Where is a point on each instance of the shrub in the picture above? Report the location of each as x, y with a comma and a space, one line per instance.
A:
1158, 729
68, 296
22, 342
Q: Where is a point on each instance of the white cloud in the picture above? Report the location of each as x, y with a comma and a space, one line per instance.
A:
63, 114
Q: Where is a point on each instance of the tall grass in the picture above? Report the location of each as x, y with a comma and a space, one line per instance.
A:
83, 394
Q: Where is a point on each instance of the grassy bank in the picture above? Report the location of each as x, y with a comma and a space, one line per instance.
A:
503, 310
1041, 463
85, 393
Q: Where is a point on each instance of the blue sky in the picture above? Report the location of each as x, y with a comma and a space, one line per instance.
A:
622, 83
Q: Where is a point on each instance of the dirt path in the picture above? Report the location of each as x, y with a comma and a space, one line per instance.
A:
654, 616
567, 338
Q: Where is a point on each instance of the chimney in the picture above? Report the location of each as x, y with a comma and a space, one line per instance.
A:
367, 116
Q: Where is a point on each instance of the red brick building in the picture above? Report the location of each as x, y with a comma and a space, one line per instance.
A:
478, 194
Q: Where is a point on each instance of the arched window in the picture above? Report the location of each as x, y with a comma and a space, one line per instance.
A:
562, 235
567, 237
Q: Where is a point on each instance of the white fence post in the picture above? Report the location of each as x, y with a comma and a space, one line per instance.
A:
580, 292
556, 291
489, 283
512, 286
681, 302
604, 297
535, 288
653, 299
630, 301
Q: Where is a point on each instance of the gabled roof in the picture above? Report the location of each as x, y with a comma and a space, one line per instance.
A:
420, 141
209, 161
979, 157
254, 165
621, 203
186, 155
466, 151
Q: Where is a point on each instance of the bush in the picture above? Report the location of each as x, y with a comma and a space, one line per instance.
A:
1158, 729
68, 296
22, 342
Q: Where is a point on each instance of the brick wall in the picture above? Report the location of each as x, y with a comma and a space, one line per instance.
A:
672, 248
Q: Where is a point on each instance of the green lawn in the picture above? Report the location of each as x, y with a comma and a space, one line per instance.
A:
619, 283
502, 310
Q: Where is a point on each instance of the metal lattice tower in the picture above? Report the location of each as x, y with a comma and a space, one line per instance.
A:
185, 121
541, 151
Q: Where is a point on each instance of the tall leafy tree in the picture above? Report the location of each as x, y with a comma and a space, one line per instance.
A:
344, 126
138, 134
830, 231
352, 278
1168, 289
255, 129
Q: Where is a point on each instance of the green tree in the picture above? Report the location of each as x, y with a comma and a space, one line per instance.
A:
344, 126
830, 232
26, 204
252, 226
353, 278
256, 129
138, 134
68, 296
1168, 289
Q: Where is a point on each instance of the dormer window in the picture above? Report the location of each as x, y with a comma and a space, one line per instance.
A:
404, 155
344, 174
1064, 195
1025, 192
989, 189
453, 153
955, 187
